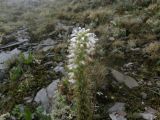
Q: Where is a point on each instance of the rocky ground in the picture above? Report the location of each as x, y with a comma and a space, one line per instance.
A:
41, 66
127, 60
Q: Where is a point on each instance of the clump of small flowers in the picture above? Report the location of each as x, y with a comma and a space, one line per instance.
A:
4, 116
81, 48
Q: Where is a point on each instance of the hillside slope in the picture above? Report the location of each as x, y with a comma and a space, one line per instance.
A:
125, 68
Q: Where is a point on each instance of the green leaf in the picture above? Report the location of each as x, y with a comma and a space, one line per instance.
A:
28, 114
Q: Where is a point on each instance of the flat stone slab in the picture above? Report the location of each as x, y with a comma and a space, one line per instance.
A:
117, 111
51, 88
117, 107
127, 80
149, 114
46, 45
10, 45
60, 69
6, 56
115, 116
45, 96
42, 98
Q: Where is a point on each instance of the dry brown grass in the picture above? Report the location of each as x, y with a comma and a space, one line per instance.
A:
118, 43
153, 49
97, 73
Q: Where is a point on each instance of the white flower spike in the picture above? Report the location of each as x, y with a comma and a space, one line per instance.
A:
82, 45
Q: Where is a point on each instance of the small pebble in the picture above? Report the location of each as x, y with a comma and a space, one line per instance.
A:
144, 95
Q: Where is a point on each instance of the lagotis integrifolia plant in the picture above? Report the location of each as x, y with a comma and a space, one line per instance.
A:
81, 48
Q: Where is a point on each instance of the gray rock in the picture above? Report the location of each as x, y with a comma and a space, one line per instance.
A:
45, 96
22, 34
6, 56
2, 76
23, 39
16, 38
46, 45
128, 65
149, 114
144, 95
111, 38
50, 63
48, 41
135, 49
150, 110
59, 69
158, 83
117, 107
1, 95
8, 39
127, 80
51, 88
117, 111
115, 116
45, 49
149, 83
11, 45
28, 99
42, 98
61, 26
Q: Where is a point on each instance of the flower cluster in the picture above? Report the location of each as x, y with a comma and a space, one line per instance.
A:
4, 116
82, 46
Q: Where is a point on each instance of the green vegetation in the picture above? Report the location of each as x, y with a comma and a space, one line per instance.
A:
122, 27
28, 59
15, 73
40, 115
28, 115
128, 32
25, 113
61, 108
18, 112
